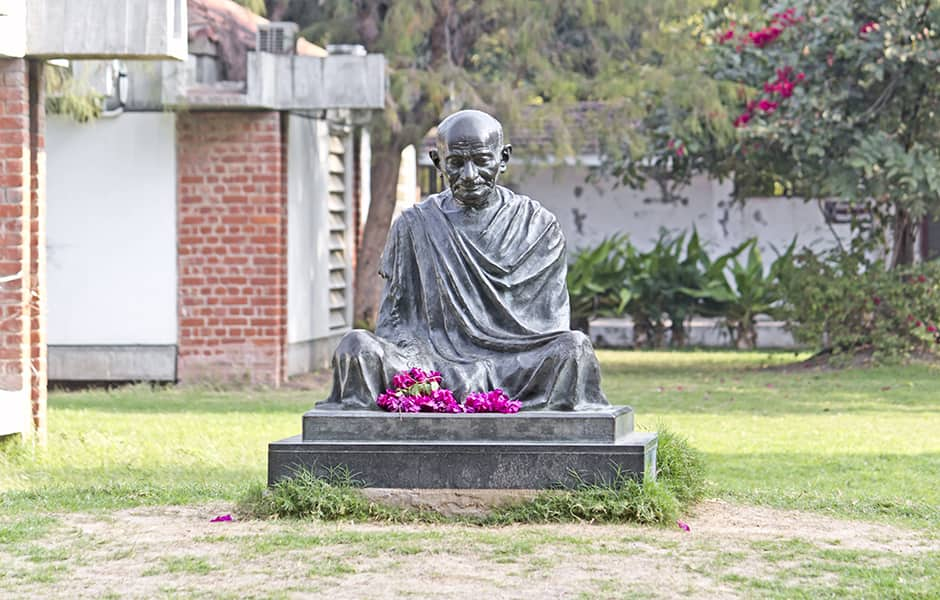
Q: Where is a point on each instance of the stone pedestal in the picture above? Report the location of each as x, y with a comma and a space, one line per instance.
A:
528, 450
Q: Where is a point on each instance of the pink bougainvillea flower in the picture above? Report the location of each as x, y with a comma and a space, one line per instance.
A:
221, 518
683, 526
768, 106
931, 329
868, 28
765, 36
742, 119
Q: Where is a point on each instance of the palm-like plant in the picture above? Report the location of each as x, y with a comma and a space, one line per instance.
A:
597, 280
744, 291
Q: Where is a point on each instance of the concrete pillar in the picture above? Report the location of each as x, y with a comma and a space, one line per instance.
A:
37, 247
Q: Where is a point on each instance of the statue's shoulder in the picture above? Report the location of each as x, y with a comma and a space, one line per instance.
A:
418, 212
532, 208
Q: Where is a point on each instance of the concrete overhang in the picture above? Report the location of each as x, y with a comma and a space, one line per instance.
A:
131, 29
292, 82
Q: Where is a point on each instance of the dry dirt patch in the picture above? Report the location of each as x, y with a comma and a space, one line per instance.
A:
173, 551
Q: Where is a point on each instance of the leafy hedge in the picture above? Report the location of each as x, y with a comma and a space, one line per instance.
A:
837, 302
841, 302
663, 288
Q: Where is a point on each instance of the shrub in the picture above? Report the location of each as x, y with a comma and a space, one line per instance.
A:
597, 281
842, 303
746, 291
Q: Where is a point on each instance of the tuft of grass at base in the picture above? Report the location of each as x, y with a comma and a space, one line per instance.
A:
680, 480
680, 466
332, 497
622, 500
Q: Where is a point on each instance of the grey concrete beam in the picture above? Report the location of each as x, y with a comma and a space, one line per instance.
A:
290, 82
138, 29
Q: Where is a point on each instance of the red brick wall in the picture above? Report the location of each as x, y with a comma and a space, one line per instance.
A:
22, 233
232, 234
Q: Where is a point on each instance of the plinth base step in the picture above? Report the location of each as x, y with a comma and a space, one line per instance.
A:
467, 465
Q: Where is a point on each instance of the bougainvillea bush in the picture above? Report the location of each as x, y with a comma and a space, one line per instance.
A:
418, 390
839, 100
840, 302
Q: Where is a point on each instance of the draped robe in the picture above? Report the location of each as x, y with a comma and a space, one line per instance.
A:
479, 295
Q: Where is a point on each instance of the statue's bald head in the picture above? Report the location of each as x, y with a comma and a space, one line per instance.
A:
469, 124
471, 155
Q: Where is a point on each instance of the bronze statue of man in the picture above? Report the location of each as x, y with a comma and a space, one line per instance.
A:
475, 288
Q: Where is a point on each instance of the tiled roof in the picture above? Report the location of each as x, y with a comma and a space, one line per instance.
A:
583, 123
233, 28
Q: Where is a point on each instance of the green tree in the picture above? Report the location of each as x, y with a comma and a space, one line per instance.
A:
507, 57
256, 6
839, 99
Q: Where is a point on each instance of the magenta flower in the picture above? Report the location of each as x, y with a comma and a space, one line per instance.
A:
417, 390
492, 401
221, 518
683, 526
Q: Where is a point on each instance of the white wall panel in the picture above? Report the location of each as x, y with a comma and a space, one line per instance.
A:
307, 229
111, 187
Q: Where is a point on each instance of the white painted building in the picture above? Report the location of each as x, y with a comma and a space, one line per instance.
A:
206, 227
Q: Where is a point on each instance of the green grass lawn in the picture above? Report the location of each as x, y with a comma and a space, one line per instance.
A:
858, 443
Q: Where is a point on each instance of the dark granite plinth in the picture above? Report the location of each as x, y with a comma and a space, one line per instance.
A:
602, 426
466, 465
528, 450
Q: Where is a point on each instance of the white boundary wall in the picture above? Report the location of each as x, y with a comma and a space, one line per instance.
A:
588, 213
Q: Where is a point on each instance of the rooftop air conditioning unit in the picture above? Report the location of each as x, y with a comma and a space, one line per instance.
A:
277, 37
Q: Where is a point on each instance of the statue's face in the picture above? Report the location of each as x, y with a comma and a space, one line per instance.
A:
471, 159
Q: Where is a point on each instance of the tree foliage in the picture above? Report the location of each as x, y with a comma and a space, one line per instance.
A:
838, 99
71, 97
529, 62
256, 6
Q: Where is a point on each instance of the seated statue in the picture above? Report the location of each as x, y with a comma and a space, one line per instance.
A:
475, 288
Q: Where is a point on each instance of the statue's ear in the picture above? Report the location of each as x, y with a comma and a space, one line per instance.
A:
435, 158
504, 155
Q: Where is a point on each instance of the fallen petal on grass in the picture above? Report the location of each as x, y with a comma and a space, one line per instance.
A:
221, 518
683, 525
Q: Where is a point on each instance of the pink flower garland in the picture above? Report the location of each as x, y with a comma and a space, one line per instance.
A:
417, 390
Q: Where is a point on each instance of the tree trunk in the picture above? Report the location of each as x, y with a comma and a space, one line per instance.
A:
679, 337
386, 161
746, 334
905, 233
